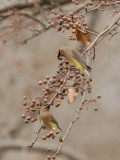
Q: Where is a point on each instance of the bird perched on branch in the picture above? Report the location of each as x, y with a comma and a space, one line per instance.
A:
48, 121
75, 59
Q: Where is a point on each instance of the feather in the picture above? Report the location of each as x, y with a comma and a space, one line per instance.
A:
53, 120
76, 55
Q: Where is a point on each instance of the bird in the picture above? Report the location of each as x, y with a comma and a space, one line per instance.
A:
75, 59
48, 121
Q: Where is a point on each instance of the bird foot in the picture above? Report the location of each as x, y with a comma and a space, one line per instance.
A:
72, 67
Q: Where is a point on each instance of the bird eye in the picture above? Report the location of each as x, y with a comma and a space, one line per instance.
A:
47, 106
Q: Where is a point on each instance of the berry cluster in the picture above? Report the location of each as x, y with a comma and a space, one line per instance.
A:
56, 89
65, 20
65, 77
49, 134
30, 106
91, 103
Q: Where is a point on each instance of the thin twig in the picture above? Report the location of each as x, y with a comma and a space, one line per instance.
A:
111, 37
20, 6
33, 18
42, 29
13, 144
88, 31
31, 146
102, 34
71, 124
59, 88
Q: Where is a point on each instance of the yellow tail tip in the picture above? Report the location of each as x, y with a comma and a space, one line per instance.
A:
61, 141
91, 81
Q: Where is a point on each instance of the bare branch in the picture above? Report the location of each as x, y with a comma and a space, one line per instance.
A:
102, 34
42, 147
33, 18
21, 6
42, 29
65, 80
72, 123
31, 146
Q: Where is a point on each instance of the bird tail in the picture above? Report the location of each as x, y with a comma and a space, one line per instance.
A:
86, 71
59, 128
55, 128
61, 140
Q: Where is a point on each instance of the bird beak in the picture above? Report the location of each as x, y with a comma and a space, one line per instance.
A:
59, 55
47, 106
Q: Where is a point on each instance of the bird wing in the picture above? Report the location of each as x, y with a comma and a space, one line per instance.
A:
53, 120
76, 55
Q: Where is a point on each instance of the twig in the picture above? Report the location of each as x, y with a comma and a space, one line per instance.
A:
33, 18
102, 34
59, 88
21, 6
26, 15
110, 3
31, 146
93, 53
111, 37
88, 31
96, 8
72, 123
17, 145
42, 29
79, 8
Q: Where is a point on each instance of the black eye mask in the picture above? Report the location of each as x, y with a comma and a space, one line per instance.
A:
59, 55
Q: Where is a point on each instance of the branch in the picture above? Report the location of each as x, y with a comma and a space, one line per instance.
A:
79, 8
42, 29
33, 18
49, 26
102, 34
6, 145
20, 6
96, 8
72, 123
65, 80
31, 146
110, 3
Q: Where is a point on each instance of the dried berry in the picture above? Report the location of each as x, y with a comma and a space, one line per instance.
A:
43, 137
23, 116
40, 82
26, 121
28, 117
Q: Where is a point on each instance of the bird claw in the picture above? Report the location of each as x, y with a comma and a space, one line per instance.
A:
72, 67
